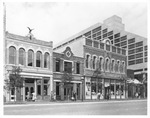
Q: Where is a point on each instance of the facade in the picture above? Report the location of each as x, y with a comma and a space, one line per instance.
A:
102, 56
69, 68
34, 57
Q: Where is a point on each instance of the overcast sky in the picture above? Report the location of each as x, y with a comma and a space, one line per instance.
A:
56, 21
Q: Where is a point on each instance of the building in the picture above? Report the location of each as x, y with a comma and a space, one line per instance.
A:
69, 68
105, 62
34, 57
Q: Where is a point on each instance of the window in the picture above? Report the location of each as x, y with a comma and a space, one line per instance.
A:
139, 61
123, 38
101, 63
94, 62
107, 65
131, 51
124, 43
123, 52
131, 57
112, 66
146, 59
117, 35
145, 47
139, 49
131, 40
57, 65
105, 35
118, 45
46, 60
118, 50
131, 46
117, 40
104, 31
101, 45
30, 58
87, 34
118, 66
38, 59
68, 67
131, 62
96, 29
111, 37
138, 44
12, 55
78, 68
123, 64
87, 61
21, 56
139, 55
145, 53
113, 49
110, 33
108, 47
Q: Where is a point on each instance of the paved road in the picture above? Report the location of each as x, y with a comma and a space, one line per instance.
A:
132, 107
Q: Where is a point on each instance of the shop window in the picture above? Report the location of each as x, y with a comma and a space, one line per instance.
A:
57, 65
12, 55
22, 56
46, 60
30, 58
38, 59
78, 68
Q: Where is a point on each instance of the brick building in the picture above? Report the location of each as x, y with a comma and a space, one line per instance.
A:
34, 57
69, 67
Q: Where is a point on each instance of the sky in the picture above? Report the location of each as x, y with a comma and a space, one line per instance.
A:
57, 21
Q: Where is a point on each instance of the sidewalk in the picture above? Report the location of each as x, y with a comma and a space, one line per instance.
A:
66, 101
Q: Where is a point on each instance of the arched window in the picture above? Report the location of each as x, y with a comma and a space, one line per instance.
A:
30, 58
106, 65
87, 61
118, 66
94, 62
21, 56
112, 65
38, 59
46, 60
101, 63
123, 64
12, 55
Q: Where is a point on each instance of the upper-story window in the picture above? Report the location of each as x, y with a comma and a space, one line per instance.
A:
46, 60
123, 64
30, 57
118, 66
57, 65
87, 61
94, 62
38, 59
78, 68
107, 65
68, 67
112, 65
12, 55
22, 56
101, 63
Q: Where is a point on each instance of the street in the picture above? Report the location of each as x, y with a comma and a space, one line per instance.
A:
126, 107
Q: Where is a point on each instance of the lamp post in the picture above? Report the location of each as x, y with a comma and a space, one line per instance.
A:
82, 78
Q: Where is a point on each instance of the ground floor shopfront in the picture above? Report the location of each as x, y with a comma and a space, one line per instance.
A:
112, 88
65, 91
39, 84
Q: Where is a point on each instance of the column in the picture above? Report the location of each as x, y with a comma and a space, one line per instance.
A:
34, 62
17, 57
110, 89
81, 90
35, 87
23, 90
103, 88
49, 92
115, 88
42, 88
62, 91
42, 61
120, 89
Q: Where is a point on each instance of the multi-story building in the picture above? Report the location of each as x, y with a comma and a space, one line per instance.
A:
34, 57
67, 67
98, 46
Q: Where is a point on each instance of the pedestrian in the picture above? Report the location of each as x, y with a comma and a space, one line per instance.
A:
74, 95
98, 95
33, 97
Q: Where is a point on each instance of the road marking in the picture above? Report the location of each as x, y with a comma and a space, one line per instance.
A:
74, 103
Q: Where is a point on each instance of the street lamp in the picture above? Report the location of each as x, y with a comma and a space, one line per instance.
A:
82, 78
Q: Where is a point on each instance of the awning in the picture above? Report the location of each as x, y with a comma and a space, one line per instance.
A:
134, 81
